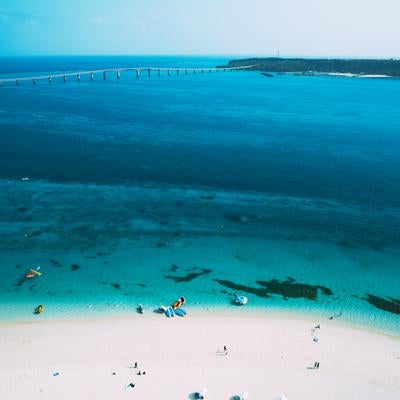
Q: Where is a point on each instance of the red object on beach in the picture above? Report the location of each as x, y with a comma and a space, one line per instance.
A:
178, 303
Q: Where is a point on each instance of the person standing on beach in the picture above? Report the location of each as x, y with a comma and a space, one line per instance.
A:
225, 350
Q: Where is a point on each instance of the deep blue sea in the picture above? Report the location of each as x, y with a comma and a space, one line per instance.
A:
285, 189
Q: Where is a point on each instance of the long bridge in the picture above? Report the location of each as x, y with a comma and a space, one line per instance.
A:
117, 71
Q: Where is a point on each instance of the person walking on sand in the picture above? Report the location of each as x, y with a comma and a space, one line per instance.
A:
225, 350
135, 366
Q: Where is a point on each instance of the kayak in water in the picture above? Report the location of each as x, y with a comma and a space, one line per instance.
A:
33, 272
39, 309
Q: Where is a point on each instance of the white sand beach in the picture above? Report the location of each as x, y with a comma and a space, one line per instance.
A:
267, 357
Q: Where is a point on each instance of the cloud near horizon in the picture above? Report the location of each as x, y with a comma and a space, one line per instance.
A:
99, 20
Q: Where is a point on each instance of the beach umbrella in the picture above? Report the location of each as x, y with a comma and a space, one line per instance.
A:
282, 397
202, 393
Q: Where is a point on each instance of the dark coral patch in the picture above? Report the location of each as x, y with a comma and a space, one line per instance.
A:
390, 304
22, 209
173, 268
287, 289
115, 285
291, 289
34, 233
141, 285
206, 197
260, 292
55, 262
75, 267
232, 217
189, 277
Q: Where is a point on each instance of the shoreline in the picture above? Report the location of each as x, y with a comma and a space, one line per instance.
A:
198, 312
267, 357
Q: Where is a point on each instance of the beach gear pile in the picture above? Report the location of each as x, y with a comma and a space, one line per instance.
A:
174, 309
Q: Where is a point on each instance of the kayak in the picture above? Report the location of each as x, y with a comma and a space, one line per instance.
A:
180, 312
39, 309
178, 303
33, 272
169, 312
140, 309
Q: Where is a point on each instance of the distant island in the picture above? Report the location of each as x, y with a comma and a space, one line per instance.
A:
310, 66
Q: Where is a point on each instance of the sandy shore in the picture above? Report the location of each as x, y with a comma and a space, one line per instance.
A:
266, 357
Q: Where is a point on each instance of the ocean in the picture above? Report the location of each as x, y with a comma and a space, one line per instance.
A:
142, 190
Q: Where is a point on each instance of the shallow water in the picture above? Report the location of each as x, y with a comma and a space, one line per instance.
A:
144, 190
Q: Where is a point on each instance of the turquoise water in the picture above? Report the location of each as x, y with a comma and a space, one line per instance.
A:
285, 189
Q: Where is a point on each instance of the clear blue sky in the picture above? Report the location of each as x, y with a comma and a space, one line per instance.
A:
249, 27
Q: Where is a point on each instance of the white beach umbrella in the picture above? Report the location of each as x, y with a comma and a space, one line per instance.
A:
282, 397
243, 396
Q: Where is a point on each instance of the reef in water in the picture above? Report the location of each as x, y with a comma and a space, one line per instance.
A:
75, 267
55, 262
206, 197
189, 277
115, 285
287, 289
389, 304
173, 268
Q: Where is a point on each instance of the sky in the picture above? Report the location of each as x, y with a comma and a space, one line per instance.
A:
344, 28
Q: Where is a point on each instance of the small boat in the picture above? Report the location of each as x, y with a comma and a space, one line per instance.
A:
180, 312
169, 312
33, 272
140, 309
178, 303
39, 309
241, 300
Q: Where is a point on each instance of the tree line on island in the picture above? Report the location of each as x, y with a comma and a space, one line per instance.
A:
389, 67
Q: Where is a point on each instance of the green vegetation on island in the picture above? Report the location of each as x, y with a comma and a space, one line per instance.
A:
309, 66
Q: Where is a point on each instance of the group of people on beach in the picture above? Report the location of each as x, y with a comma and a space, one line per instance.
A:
135, 366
